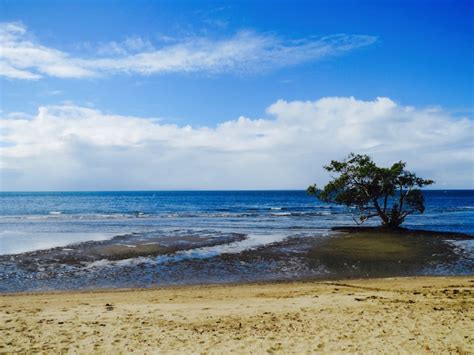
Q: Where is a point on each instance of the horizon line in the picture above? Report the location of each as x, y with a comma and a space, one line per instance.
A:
201, 190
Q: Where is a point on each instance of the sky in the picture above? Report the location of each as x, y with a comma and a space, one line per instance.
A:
170, 95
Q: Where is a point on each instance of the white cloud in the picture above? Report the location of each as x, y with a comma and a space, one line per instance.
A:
23, 58
70, 147
129, 46
8, 71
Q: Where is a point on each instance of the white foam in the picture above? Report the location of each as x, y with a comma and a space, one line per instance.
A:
252, 241
467, 246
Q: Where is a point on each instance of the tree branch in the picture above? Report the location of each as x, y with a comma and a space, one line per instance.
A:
382, 215
406, 213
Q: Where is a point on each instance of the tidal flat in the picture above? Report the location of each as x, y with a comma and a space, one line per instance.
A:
380, 252
187, 257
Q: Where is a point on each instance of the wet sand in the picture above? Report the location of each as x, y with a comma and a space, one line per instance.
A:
185, 257
417, 314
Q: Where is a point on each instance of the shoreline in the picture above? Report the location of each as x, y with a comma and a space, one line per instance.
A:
422, 313
199, 286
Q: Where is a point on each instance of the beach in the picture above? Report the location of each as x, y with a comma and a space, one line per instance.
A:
411, 314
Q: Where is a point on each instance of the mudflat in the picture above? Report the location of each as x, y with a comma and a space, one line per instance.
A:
413, 314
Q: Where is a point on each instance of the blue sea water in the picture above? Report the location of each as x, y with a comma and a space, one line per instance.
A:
36, 220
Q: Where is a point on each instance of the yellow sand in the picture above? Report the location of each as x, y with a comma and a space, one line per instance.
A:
434, 314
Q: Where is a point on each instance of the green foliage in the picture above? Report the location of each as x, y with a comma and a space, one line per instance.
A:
389, 193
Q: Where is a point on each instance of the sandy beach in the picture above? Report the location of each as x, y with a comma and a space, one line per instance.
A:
418, 314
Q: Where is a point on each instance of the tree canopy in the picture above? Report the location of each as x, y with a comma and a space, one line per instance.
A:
391, 194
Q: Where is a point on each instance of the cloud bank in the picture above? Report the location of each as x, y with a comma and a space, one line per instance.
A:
21, 57
76, 148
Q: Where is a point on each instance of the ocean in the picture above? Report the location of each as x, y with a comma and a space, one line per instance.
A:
196, 225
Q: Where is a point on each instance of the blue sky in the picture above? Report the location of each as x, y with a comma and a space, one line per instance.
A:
200, 64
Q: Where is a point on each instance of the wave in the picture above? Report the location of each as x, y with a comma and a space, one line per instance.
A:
282, 214
226, 213
280, 211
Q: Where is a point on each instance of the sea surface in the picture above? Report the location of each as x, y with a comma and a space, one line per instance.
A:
35, 227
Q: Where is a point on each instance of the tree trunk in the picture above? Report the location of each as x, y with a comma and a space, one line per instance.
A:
395, 223
394, 220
